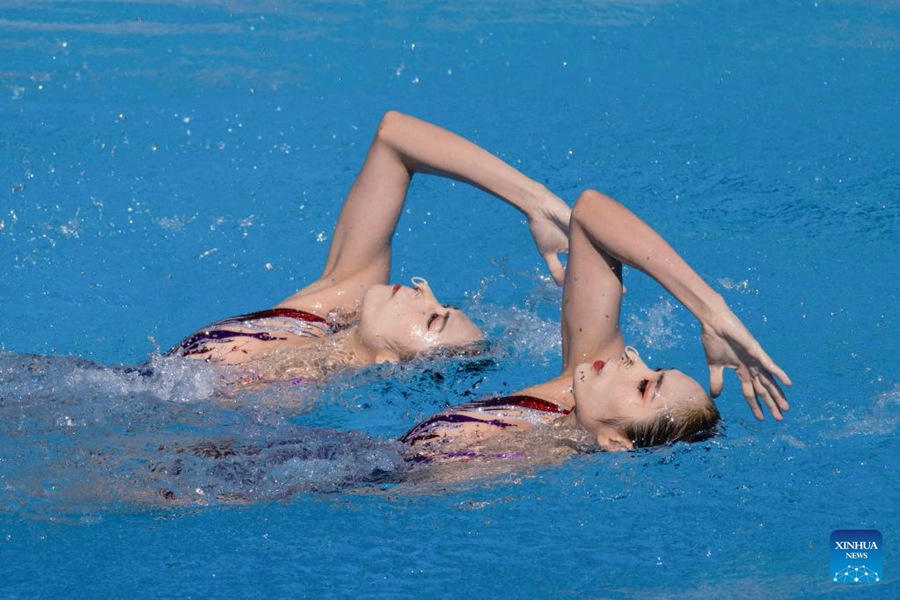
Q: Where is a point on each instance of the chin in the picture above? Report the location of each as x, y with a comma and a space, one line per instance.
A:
376, 291
583, 371
374, 296
579, 377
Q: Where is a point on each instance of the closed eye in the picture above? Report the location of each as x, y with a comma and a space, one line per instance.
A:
644, 384
434, 317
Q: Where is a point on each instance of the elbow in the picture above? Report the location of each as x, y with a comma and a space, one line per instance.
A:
589, 204
394, 134
391, 122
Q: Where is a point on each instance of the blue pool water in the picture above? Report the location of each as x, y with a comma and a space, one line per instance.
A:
164, 164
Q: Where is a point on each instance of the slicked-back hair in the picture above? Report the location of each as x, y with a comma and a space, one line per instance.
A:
693, 423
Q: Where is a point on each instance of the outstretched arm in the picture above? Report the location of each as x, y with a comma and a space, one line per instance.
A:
618, 235
360, 253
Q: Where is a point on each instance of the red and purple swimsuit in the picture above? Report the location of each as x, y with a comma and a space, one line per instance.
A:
266, 325
524, 408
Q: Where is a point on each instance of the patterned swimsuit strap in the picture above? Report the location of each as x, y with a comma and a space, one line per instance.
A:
220, 330
269, 313
518, 401
426, 429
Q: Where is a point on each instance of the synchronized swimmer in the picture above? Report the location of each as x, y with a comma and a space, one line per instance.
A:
350, 316
604, 386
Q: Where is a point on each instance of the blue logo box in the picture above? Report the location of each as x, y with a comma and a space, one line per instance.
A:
856, 556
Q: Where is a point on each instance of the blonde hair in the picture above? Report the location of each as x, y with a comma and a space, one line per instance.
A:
693, 422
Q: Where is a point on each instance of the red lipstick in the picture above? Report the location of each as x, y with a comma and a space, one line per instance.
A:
598, 365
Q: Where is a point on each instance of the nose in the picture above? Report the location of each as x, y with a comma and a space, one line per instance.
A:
421, 284
632, 356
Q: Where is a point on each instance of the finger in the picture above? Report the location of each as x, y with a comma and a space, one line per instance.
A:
763, 393
769, 365
716, 380
776, 392
778, 372
557, 271
750, 396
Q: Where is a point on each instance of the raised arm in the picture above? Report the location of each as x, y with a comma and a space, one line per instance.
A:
606, 234
360, 253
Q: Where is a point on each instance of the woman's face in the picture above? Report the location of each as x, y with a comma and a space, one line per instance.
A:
623, 388
408, 320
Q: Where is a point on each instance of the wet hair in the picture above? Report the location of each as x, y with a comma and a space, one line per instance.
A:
470, 358
692, 423
470, 350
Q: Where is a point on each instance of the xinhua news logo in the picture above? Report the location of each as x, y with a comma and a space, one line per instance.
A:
856, 556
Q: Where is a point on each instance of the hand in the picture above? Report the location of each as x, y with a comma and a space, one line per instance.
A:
549, 226
727, 343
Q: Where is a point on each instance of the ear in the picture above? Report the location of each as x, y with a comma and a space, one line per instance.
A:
614, 442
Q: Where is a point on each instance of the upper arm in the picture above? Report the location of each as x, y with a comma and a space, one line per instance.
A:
592, 295
360, 251
369, 215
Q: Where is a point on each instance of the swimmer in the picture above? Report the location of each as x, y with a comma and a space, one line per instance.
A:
605, 389
350, 316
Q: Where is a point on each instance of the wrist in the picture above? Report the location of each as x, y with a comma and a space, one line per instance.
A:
713, 307
544, 204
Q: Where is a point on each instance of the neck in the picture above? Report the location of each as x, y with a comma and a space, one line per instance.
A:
359, 352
